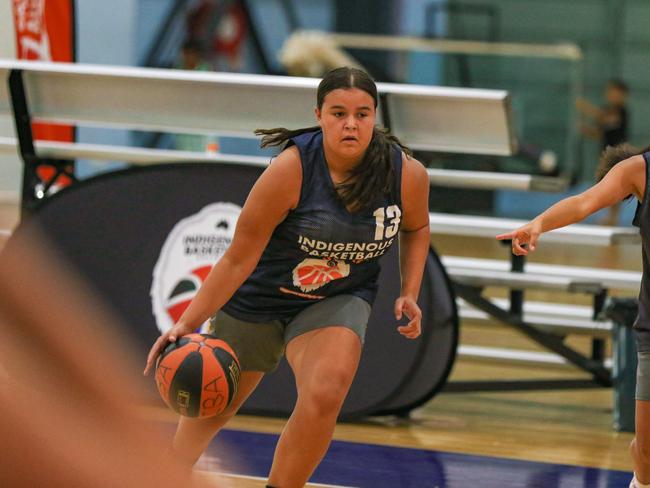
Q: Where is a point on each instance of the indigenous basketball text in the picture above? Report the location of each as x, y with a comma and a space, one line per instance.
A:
344, 251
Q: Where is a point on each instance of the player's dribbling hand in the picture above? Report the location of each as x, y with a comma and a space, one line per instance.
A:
407, 306
526, 235
179, 330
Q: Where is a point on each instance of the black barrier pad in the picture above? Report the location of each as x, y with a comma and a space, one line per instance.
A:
113, 227
440, 338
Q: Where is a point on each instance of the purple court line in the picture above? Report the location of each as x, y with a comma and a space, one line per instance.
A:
377, 466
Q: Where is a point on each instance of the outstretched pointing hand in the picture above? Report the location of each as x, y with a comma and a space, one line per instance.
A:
526, 235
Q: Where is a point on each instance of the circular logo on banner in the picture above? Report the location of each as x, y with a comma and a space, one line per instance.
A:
193, 246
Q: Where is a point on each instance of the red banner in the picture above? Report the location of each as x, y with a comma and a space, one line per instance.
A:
45, 32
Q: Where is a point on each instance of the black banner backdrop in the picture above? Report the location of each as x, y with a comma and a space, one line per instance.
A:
112, 228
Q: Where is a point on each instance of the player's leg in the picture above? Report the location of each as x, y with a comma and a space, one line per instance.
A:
324, 359
640, 447
193, 435
324, 363
259, 348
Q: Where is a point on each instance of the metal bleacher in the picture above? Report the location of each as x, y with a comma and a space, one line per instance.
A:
428, 118
475, 121
613, 279
477, 226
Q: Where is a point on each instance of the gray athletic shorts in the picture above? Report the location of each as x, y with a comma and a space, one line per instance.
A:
643, 377
260, 345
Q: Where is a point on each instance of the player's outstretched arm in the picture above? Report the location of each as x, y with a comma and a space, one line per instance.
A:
624, 179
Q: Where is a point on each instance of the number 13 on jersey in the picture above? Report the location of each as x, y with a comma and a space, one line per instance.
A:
393, 214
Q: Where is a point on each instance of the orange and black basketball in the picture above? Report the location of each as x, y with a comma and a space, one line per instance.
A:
198, 375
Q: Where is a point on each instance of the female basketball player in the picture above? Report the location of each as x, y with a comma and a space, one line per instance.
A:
623, 172
301, 273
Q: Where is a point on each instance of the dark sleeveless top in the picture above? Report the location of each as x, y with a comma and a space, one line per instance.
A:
320, 249
642, 221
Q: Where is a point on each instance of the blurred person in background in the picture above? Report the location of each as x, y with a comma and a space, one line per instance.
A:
609, 125
192, 57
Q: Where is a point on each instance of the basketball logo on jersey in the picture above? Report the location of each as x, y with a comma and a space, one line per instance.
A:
192, 247
312, 274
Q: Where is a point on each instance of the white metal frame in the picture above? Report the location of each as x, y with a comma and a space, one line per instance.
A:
475, 226
483, 180
431, 118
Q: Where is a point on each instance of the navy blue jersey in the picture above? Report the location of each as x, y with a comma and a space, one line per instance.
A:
320, 249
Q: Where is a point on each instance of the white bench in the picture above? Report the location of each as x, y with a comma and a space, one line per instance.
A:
425, 117
142, 156
522, 281
517, 357
608, 278
472, 276
476, 226
475, 121
430, 118
560, 319
551, 317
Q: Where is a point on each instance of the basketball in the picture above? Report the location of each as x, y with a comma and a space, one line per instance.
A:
197, 376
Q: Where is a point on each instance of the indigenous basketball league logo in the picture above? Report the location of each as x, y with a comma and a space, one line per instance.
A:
311, 274
193, 246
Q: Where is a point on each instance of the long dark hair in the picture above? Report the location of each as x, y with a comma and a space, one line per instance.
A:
374, 175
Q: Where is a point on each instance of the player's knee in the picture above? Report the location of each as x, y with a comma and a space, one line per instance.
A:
326, 396
325, 399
